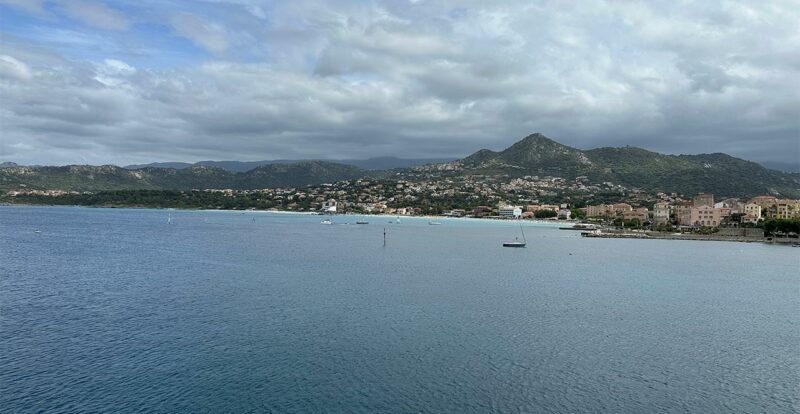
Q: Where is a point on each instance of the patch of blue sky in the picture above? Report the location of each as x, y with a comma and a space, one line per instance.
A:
144, 44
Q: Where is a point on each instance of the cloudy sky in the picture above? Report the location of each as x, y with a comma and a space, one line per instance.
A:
87, 81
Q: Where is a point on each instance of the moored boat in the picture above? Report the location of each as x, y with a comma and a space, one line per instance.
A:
516, 242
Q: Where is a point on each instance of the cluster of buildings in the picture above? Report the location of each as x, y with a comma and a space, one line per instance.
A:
703, 211
427, 192
473, 195
46, 193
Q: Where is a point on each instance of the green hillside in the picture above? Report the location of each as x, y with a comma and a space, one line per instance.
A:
636, 168
109, 177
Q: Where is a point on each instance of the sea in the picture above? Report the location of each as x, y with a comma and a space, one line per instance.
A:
168, 311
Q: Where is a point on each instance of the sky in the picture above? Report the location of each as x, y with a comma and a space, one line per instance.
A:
120, 82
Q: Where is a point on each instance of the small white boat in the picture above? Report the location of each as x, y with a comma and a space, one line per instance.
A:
434, 223
326, 221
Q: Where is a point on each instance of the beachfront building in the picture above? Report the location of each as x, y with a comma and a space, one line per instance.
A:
330, 206
704, 216
596, 211
787, 209
607, 210
507, 211
661, 213
536, 207
619, 208
564, 214
704, 199
753, 210
640, 214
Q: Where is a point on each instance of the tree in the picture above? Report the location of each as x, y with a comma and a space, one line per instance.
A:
781, 226
545, 214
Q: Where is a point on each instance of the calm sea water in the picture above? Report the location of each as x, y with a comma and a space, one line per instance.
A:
117, 311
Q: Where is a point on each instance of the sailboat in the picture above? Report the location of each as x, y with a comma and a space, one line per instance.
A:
517, 243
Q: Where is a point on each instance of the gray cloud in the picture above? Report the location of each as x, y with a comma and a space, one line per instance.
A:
349, 79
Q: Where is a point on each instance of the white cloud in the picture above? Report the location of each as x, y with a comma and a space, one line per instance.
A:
210, 36
95, 14
34, 7
14, 69
348, 79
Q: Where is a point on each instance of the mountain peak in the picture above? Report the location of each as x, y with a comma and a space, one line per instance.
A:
538, 139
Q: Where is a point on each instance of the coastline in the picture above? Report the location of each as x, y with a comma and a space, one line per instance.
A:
693, 237
302, 213
527, 222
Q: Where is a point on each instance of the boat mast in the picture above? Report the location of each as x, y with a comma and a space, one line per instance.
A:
523, 233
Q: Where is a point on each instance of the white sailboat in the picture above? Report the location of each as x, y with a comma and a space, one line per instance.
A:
516, 242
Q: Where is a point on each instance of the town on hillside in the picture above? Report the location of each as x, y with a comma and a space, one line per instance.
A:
481, 196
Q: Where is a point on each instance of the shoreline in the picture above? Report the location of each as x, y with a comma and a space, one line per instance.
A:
302, 213
584, 233
693, 237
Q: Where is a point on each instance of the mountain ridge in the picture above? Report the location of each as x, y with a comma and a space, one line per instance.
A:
633, 167
374, 163
112, 177
535, 154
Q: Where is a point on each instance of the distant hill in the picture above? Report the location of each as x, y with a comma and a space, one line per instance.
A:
110, 177
378, 163
790, 167
8, 164
634, 167
536, 154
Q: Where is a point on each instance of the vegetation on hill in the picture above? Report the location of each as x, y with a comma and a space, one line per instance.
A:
634, 168
109, 177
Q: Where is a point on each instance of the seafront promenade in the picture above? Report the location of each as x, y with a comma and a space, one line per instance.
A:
612, 234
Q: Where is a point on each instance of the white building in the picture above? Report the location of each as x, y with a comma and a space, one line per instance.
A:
509, 211
330, 206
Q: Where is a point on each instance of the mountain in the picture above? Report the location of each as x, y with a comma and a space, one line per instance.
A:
378, 163
634, 168
110, 177
535, 154
298, 174
175, 165
8, 164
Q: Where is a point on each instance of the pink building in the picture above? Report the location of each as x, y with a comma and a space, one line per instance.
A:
704, 216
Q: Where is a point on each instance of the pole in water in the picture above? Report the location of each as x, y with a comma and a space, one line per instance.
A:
384, 237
